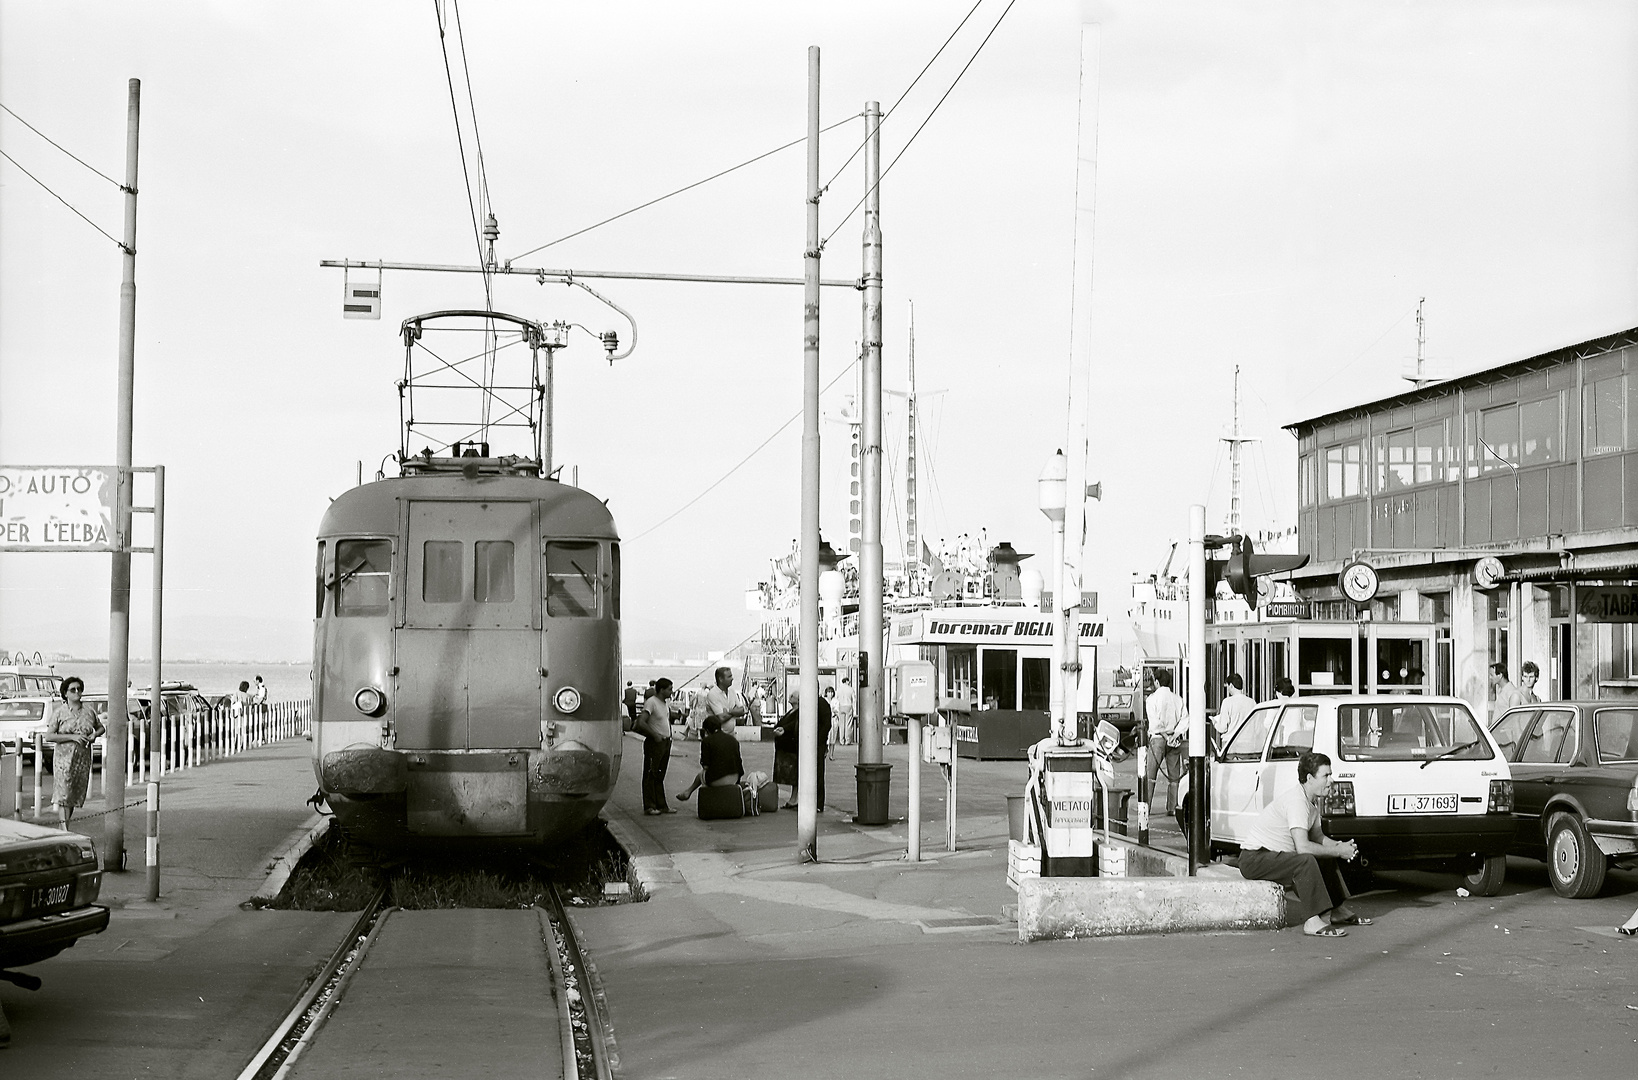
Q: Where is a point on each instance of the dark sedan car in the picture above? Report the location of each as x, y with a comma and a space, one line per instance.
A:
48, 884
1575, 787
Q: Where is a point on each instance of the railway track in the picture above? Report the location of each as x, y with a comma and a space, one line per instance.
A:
497, 993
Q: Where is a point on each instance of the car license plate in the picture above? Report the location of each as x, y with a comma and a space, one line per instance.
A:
1422, 804
52, 896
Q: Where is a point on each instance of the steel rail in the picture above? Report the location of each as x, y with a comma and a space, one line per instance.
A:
348, 953
600, 1032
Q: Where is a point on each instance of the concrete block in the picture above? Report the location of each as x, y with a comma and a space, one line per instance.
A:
1051, 908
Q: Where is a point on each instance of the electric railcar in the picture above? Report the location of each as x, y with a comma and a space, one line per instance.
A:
466, 658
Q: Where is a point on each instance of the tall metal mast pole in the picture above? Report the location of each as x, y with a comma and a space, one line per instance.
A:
870, 557
1080, 396
807, 771
119, 578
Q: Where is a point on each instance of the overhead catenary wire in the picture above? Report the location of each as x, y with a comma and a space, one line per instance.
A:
923, 124
460, 142
65, 150
65, 202
907, 89
679, 191
742, 461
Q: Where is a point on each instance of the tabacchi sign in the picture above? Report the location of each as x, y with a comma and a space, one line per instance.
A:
57, 507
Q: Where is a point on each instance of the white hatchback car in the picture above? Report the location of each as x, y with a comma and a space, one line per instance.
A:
1415, 781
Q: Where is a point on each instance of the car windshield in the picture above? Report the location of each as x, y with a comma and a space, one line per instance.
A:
1409, 731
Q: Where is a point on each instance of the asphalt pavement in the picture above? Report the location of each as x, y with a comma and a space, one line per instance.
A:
189, 986
748, 961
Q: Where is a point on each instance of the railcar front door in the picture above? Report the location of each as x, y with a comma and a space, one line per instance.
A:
469, 646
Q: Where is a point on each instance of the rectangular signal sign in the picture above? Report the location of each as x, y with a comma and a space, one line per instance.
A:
361, 300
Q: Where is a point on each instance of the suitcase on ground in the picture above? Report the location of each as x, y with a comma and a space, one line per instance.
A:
767, 797
720, 803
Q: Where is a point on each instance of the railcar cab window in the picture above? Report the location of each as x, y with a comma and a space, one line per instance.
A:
363, 576
574, 582
492, 577
1410, 732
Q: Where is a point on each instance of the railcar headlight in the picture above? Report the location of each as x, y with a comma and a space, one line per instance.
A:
370, 701
567, 699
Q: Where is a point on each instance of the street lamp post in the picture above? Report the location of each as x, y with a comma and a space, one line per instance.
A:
1050, 491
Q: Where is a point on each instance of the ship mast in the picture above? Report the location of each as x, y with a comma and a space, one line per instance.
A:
1420, 378
1232, 524
912, 538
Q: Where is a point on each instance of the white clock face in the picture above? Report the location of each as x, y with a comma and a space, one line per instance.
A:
1359, 583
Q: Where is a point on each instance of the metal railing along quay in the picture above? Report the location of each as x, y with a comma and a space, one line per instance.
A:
154, 749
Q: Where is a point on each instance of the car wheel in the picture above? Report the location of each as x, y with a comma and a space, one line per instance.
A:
1574, 863
1487, 879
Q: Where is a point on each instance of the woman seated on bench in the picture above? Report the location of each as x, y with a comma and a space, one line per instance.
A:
720, 764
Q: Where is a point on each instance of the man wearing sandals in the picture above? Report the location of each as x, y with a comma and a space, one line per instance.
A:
1285, 844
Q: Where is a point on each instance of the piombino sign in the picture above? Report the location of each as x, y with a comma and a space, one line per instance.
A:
57, 507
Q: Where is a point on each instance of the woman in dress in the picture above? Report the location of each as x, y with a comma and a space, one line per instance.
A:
74, 727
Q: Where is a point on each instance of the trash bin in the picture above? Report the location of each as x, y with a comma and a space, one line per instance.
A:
1017, 826
872, 789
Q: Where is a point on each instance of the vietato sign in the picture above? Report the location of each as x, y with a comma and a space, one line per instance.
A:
58, 507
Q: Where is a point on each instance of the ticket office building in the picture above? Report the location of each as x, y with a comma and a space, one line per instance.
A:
1533, 463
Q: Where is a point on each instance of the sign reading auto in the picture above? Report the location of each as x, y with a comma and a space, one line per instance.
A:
57, 507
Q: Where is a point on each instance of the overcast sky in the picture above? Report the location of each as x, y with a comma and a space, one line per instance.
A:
1278, 184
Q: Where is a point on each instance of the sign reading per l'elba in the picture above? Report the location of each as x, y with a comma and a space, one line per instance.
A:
57, 507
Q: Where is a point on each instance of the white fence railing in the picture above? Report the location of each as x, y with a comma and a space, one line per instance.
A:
166, 746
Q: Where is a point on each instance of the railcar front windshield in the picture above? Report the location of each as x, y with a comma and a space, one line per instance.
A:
363, 574
1410, 731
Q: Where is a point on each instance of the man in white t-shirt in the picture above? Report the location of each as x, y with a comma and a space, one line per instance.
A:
722, 704
1168, 722
1236, 705
1285, 844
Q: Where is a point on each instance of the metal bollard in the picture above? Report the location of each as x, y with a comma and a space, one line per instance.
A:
39, 770
153, 841
17, 793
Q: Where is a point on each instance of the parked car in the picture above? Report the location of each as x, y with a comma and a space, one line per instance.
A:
1575, 788
1416, 781
20, 718
18, 679
1116, 707
49, 883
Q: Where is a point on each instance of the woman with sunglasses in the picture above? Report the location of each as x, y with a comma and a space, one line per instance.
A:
74, 727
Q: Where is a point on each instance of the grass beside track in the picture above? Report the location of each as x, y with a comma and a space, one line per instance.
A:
338, 876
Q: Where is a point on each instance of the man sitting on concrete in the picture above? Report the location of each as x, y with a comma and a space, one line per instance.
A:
1285, 844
